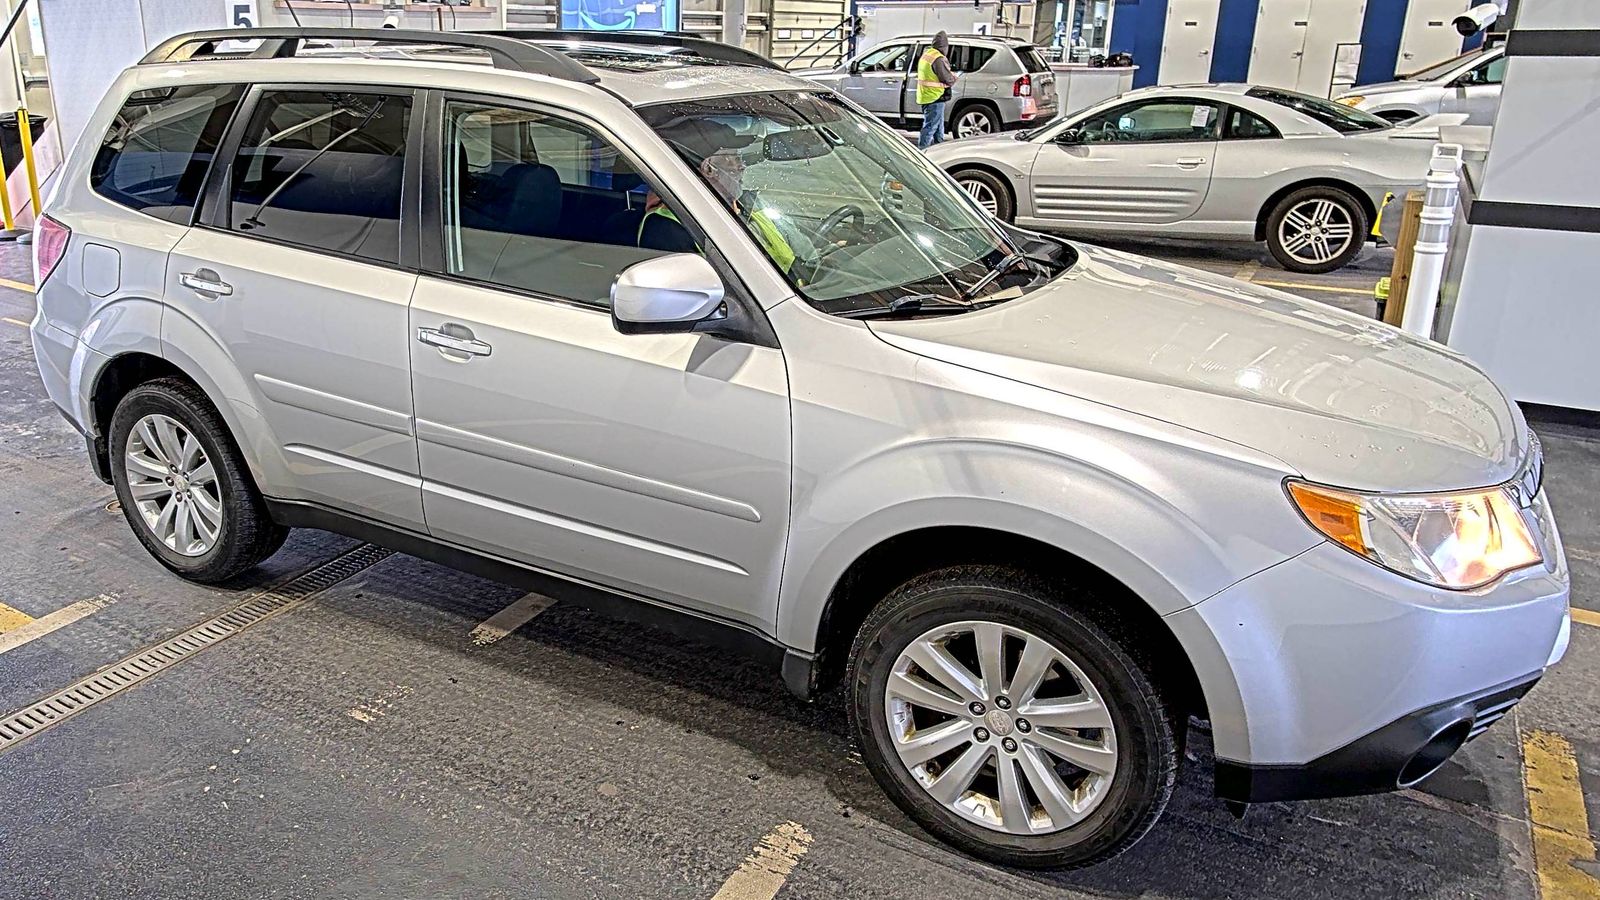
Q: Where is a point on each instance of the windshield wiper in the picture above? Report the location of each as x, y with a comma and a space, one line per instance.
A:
1000, 268
910, 303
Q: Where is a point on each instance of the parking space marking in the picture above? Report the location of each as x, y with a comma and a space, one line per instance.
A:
510, 619
1586, 616
1561, 839
12, 619
764, 871
1327, 289
12, 321
16, 285
11, 639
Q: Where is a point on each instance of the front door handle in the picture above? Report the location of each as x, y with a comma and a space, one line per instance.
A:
206, 283
444, 340
1190, 162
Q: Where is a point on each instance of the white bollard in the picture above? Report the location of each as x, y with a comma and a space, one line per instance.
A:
1433, 239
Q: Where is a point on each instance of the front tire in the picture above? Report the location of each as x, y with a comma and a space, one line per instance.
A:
1008, 724
183, 486
1316, 229
991, 193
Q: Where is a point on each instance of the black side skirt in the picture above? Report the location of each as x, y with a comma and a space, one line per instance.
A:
795, 665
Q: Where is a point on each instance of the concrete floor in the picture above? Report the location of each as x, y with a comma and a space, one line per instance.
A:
363, 744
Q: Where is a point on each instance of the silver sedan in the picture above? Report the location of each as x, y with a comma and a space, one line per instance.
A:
1216, 162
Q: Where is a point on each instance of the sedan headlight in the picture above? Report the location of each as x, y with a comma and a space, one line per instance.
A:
1351, 100
1457, 541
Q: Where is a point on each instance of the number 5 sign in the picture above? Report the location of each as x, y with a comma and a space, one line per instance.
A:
242, 13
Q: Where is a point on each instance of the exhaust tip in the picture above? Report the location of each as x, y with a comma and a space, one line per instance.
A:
1434, 753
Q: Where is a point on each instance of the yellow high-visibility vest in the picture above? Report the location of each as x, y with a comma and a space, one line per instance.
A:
661, 210
929, 87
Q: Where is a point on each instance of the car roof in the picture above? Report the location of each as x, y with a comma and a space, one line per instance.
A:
637, 68
1012, 42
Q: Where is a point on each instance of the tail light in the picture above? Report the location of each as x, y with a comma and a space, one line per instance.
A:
49, 245
1022, 87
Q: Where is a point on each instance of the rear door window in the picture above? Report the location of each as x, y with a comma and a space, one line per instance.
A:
155, 156
324, 170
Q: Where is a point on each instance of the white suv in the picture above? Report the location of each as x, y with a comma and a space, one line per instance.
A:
643, 323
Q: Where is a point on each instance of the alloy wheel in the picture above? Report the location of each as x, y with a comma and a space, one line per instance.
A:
174, 485
1316, 231
971, 124
981, 192
1001, 727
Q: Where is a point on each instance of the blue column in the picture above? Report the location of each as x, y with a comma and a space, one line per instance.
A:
1380, 40
1137, 27
1236, 34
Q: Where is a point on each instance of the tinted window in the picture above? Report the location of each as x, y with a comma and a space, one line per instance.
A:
1340, 118
1491, 72
1152, 121
542, 204
885, 59
156, 154
1032, 61
966, 58
1244, 124
324, 170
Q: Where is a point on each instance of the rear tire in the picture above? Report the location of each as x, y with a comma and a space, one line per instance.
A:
1317, 229
168, 424
1063, 815
991, 193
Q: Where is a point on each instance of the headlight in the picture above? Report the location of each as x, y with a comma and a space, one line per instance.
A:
1456, 541
1351, 100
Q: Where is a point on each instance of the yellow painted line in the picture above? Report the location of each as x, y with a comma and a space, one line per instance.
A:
1586, 616
1301, 286
38, 628
16, 285
1247, 271
510, 619
12, 321
12, 619
1561, 838
764, 871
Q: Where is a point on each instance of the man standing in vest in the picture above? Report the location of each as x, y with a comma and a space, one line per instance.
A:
934, 80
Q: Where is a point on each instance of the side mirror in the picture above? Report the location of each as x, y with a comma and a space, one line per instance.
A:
666, 295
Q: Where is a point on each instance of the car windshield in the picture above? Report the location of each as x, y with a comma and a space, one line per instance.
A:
1439, 70
1340, 118
1031, 60
847, 209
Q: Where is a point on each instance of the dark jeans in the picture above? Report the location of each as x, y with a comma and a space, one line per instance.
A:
932, 124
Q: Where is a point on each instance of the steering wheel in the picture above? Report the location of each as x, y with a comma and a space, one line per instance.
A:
839, 217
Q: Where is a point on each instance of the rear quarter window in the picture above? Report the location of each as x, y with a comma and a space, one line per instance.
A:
155, 156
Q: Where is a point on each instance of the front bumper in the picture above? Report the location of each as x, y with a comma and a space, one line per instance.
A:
1397, 755
1327, 675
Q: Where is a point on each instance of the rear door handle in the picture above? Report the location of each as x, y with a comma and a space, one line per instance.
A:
469, 345
1189, 162
206, 283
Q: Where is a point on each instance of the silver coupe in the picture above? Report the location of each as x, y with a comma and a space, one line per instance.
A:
1227, 162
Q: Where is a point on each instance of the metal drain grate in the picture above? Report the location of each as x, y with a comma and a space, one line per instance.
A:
108, 682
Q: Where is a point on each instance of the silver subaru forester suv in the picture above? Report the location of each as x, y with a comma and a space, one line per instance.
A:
644, 323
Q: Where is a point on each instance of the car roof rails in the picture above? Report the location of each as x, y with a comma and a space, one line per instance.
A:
505, 52
704, 48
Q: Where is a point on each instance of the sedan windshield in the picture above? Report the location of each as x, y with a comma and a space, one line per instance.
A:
848, 210
1340, 118
1438, 70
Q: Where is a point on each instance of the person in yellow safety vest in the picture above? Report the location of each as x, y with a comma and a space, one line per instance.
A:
724, 171
675, 238
934, 80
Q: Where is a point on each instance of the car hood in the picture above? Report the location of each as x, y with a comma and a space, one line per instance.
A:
1389, 87
1340, 399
